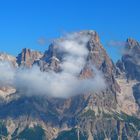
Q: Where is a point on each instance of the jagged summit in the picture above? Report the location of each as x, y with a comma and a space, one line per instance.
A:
27, 57
131, 43
110, 113
130, 62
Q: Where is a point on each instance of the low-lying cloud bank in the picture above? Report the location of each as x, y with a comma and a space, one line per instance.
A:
63, 84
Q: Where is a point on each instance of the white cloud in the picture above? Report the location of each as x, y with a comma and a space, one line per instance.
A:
63, 84
7, 73
114, 43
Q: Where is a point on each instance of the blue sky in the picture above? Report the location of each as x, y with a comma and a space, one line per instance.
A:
24, 22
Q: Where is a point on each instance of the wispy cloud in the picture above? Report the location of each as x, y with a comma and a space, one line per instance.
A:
115, 43
63, 84
7, 73
43, 41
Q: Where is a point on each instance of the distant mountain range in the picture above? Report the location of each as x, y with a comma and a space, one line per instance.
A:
100, 99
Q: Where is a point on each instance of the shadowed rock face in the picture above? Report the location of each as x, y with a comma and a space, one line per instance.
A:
129, 70
131, 60
121, 67
136, 92
27, 57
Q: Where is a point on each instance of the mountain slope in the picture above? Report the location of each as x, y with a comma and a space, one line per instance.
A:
109, 111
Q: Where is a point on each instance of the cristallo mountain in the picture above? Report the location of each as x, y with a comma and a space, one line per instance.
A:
111, 113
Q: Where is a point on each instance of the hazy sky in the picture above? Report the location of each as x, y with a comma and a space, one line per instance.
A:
24, 23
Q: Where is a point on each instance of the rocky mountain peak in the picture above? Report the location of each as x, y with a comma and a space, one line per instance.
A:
131, 43
131, 59
8, 58
53, 56
92, 34
27, 57
96, 56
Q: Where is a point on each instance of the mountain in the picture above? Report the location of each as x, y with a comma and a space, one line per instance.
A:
129, 69
27, 57
131, 58
9, 58
105, 113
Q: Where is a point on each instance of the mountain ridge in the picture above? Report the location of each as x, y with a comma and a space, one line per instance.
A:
111, 113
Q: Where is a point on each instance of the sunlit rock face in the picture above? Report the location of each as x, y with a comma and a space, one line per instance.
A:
27, 57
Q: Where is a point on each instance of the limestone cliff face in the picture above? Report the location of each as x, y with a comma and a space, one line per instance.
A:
98, 58
27, 57
136, 92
